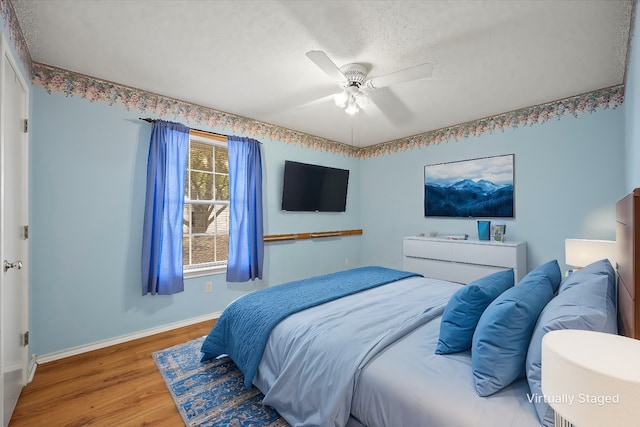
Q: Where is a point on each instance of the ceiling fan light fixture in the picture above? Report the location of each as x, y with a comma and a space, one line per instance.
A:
352, 108
362, 99
341, 99
351, 99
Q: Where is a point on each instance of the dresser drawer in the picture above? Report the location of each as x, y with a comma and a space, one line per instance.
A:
428, 249
499, 256
447, 270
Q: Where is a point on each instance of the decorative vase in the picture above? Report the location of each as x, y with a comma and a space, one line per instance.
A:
484, 229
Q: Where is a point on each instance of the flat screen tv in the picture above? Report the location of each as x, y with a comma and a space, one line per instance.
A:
479, 188
314, 188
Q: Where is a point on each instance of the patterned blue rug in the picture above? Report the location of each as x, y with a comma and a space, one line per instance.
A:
212, 393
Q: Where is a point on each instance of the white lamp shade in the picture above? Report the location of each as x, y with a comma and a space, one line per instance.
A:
582, 252
592, 378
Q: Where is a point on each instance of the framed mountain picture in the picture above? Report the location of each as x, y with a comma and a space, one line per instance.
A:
477, 188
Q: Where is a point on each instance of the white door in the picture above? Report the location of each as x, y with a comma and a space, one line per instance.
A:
13, 237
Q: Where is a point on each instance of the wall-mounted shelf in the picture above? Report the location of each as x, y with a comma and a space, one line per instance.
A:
311, 235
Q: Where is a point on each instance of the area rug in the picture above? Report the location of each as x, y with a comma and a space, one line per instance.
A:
212, 393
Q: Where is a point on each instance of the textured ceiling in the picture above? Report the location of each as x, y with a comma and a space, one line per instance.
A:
248, 57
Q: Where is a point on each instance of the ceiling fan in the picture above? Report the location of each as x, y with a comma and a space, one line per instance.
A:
352, 78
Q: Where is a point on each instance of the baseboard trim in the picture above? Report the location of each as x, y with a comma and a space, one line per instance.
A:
121, 339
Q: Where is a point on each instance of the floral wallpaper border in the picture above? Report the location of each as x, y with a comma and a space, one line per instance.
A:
73, 84
15, 34
611, 97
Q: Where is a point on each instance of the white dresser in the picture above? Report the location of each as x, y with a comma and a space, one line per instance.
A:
463, 261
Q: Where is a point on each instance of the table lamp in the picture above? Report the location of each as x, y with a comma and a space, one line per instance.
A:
582, 252
591, 379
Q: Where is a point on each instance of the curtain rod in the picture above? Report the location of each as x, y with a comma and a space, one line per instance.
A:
217, 135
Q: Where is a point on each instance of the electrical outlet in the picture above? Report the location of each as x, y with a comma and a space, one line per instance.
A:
208, 287
346, 262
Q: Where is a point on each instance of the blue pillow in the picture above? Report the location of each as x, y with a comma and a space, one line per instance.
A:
587, 304
501, 340
465, 307
602, 267
552, 271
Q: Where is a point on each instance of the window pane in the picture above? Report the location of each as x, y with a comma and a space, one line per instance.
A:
203, 249
185, 250
201, 155
212, 210
222, 247
222, 160
201, 218
222, 187
201, 186
222, 219
186, 219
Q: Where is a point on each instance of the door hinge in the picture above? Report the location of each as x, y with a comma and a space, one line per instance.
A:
24, 339
25, 232
25, 127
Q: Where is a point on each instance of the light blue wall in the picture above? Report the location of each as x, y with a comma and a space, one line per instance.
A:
87, 178
632, 112
568, 175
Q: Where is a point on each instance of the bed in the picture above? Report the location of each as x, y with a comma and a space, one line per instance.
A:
399, 349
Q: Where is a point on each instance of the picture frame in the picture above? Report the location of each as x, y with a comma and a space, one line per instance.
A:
475, 188
498, 232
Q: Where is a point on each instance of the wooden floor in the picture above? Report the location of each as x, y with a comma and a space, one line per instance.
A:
114, 386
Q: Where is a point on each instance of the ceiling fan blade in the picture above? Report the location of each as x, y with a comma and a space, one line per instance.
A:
316, 101
412, 73
327, 65
391, 106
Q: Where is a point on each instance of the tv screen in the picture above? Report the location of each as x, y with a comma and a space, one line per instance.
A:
312, 188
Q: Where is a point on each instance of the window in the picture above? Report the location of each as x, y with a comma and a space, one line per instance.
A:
205, 237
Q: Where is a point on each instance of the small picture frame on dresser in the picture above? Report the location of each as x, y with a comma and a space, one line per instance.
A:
498, 232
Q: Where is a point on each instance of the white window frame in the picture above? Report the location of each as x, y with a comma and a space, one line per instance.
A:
208, 268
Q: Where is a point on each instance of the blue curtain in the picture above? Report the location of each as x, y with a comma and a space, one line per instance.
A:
163, 213
246, 244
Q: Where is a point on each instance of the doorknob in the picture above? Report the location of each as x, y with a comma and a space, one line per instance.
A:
8, 265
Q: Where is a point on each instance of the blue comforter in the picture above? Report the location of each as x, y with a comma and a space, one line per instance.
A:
244, 326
